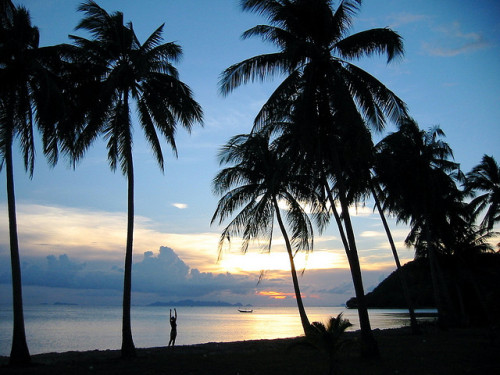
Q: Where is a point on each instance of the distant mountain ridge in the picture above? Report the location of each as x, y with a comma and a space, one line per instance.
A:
191, 303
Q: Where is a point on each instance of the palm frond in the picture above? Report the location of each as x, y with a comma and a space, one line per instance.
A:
375, 99
256, 68
269, 8
150, 132
382, 41
342, 17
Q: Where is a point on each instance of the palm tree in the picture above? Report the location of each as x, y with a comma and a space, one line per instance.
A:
401, 275
328, 338
259, 179
331, 100
30, 93
414, 168
125, 70
485, 177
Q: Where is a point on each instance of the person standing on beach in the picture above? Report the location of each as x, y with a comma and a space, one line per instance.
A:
173, 325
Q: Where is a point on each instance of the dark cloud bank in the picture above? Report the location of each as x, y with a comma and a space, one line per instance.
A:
161, 277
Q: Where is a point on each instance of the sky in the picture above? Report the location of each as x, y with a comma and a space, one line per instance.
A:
72, 222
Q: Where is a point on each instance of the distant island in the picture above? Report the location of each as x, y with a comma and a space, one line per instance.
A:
191, 303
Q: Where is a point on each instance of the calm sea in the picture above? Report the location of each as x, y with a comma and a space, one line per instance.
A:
66, 328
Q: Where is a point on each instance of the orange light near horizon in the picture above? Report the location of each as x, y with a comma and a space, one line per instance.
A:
276, 295
235, 262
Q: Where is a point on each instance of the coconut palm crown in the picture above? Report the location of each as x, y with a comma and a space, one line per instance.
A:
314, 49
485, 179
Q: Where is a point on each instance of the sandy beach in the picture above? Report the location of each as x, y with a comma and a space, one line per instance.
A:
456, 351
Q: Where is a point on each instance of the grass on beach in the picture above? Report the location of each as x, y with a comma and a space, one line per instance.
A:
457, 351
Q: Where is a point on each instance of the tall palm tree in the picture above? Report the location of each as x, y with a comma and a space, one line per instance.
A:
30, 93
124, 70
401, 274
485, 177
259, 179
417, 175
332, 101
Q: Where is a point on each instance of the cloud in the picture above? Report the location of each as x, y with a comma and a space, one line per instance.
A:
456, 42
93, 235
180, 206
277, 260
66, 249
164, 274
371, 233
167, 274
276, 295
404, 18
99, 235
53, 271
344, 288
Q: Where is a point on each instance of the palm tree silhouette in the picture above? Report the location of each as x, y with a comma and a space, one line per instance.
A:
485, 177
328, 338
30, 94
402, 277
331, 100
125, 70
417, 175
260, 178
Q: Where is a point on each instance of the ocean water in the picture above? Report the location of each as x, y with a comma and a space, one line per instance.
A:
66, 328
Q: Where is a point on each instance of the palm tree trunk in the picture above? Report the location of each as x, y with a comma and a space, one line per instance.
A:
402, 277
357, 281
19, 354
446, 315
369, 346
435, 283
302, 312
336, 214
128, 348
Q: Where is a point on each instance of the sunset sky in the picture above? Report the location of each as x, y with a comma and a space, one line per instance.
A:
72, 223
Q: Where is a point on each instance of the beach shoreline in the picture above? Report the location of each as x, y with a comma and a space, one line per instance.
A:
455, 351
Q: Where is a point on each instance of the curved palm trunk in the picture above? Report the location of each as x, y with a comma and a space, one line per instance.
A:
402, 277
128, 348
336, 214
19, 354
369, 346
302, 312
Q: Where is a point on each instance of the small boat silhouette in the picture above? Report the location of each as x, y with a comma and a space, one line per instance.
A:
245, 310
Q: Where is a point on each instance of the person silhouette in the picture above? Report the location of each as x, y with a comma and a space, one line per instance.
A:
173, 325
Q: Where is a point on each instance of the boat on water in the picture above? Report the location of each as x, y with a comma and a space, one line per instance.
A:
245, 310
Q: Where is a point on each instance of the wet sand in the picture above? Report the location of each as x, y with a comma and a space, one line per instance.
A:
456, 351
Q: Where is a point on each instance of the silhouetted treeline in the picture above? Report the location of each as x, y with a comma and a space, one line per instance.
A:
461, 278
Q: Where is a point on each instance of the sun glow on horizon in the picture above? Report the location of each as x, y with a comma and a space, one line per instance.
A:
279, 261
272, 294
275, 295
